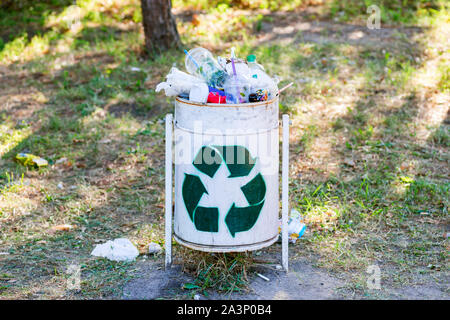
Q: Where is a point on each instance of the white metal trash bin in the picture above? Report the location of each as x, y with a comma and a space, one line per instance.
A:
226, 175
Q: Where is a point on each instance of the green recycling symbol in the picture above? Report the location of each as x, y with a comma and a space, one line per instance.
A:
239, 163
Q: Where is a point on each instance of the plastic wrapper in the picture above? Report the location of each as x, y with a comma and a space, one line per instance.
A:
31, 160
178, 83
296, 228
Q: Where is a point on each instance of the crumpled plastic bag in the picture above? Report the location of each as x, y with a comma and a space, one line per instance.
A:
178, 82
296, 228
118, 250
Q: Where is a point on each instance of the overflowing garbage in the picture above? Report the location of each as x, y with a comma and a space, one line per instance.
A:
222, 80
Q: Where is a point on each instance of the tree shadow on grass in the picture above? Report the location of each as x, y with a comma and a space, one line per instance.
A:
105, 122
27, 17
103, 35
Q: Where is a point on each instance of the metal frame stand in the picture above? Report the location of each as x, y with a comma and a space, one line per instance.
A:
284, 195
168, 191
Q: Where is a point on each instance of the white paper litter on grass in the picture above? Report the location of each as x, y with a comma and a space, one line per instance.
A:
154, 248
118, 250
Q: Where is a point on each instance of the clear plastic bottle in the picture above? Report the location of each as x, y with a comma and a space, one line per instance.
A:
262, 87
240, 65
252, 65
201, 63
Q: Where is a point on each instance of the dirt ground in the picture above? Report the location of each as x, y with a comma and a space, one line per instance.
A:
302, 282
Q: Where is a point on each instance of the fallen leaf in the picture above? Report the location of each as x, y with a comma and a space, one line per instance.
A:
81, 165
62, 227
195, 20
190, 286
142, 249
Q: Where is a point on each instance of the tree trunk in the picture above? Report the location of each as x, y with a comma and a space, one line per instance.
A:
159, 26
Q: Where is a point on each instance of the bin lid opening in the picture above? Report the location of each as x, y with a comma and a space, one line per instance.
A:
227, 105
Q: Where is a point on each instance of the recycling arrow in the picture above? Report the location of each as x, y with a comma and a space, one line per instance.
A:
239, 163
255, 190
242, 219
205, 219
238, 160
193, 191
208, 161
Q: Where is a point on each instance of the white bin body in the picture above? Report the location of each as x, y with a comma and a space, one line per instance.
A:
226, 175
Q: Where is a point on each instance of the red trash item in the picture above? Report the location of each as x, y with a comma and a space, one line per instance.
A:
214, 97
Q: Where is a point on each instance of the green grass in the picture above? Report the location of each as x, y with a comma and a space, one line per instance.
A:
441, 136
444, 82
410, 12
225, 272
223, 5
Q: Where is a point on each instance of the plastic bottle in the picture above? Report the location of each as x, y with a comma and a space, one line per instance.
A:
263, 87
252, 65
201, 63
240, 66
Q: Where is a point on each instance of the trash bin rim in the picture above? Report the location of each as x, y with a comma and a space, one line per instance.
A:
226, 105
